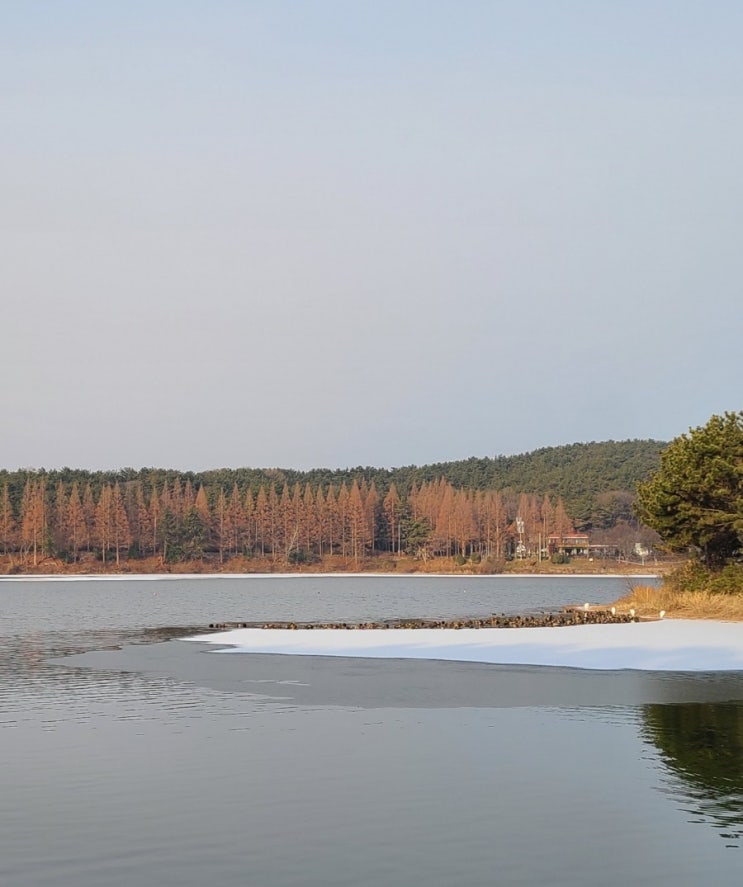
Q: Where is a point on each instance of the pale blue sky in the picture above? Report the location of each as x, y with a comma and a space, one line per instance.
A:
339, 233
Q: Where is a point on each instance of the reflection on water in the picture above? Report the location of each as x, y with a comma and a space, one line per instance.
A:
701, 744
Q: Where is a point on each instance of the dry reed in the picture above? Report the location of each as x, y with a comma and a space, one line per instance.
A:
648, 602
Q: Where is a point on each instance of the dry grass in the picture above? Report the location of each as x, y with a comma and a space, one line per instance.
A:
647, 601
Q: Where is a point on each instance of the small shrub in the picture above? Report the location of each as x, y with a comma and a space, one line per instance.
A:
300, 556
492, 565
729, 580
690, 576
694, 576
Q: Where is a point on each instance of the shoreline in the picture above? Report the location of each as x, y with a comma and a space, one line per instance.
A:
11, 567
148, 577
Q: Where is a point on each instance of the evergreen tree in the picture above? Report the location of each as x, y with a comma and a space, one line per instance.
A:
695, 499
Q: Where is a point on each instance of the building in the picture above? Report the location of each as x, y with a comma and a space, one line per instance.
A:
571, 544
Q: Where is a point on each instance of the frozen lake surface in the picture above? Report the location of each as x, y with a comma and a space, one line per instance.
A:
134, 756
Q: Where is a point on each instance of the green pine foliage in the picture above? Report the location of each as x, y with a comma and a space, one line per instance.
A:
695, 498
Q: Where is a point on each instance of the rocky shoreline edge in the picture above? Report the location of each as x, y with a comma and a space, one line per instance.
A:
585, 615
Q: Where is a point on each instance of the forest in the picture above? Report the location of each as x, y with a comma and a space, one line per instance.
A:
465, 510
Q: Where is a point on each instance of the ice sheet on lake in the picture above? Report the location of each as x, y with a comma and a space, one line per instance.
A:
667, 645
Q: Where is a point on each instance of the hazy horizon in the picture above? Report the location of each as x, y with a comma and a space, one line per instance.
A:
249, 234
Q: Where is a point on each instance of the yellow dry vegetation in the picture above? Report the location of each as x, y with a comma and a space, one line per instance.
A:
648, 601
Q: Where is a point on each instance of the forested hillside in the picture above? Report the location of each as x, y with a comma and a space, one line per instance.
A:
465, 508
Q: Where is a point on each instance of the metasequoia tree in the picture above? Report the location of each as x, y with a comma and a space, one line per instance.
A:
331, 518
60, 532
562, 523
34, 518
76, 529
7, 521
464, 521
179, 518
89, 515
372, 513
142, 523
443, 526
356, 522
392, 506
121, 536
262, 521
103, 521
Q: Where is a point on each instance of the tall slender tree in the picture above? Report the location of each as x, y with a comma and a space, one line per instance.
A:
75, 522
121, 536
103, 521
7, 521
391, 506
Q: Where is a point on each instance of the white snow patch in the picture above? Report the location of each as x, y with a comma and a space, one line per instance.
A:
665, 645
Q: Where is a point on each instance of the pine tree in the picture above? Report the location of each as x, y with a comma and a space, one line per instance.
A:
695, 498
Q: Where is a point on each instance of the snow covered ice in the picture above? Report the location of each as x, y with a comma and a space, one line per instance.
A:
664, 645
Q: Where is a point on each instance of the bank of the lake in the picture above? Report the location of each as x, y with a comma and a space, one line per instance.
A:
398, 565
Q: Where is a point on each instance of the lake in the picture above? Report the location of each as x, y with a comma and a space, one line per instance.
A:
132, 757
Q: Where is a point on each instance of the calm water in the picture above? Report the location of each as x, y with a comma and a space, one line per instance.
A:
161, 763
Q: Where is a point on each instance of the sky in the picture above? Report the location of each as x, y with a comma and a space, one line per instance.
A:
336, 232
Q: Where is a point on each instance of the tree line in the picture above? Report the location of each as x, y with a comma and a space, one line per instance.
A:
175, 520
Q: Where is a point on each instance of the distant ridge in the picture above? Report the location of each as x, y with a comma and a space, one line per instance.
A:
579, 473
